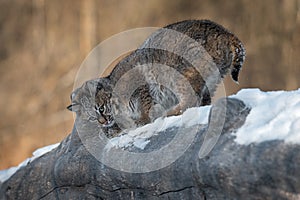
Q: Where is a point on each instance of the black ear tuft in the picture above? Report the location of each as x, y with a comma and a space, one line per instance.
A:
70, 107
235, 74
74, 107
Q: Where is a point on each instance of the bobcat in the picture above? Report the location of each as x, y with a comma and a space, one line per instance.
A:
177, 67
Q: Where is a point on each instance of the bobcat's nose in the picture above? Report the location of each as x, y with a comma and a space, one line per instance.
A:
106, 122
102, 120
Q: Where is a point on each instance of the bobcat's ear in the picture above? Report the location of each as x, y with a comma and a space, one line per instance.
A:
73, 107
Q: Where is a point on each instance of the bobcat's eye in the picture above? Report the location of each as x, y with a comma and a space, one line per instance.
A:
100, 108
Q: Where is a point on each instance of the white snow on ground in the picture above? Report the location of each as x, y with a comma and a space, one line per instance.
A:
5, 174
139, 137
273, 116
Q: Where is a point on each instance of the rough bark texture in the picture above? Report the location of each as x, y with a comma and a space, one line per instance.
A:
268, 170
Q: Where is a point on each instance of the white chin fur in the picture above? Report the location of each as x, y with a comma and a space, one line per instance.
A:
109, 124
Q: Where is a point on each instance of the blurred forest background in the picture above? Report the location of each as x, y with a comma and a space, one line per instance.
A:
43, 43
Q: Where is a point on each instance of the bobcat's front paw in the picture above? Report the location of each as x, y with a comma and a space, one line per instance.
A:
177, 110
157, 111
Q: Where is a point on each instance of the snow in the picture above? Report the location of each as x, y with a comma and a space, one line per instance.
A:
274, 116
41, 151
6, 174
140, 137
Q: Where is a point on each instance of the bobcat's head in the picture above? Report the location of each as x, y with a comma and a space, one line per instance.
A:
92, 101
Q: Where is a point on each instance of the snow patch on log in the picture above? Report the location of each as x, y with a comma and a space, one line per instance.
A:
7, 173
140, 137
274, 116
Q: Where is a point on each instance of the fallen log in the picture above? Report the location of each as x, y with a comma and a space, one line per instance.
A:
267, 170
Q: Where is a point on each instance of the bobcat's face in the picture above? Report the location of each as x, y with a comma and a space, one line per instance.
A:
92, 101
103, 108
